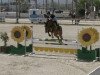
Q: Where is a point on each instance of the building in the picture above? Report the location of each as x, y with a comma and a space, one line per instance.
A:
33, 3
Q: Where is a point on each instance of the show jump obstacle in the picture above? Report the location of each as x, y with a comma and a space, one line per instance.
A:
88, 37
19, 34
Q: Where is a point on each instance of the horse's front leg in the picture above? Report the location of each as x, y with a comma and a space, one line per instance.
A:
76, 22
59, 39
72, 21
52, 35
49, 33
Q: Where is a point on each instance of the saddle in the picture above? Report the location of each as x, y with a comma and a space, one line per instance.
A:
52, 25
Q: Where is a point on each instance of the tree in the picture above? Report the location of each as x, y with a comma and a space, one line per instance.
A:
24, 6
89, 5
4, 38
21, 6
97, 5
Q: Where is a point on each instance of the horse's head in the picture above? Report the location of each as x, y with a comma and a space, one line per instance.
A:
49, 21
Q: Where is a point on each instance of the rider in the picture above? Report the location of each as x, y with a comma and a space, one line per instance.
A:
48, 15
54, 19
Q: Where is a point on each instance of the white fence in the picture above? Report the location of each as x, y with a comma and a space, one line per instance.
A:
13, 15
26, 15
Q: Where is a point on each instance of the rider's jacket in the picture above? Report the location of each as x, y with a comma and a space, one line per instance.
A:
54, 19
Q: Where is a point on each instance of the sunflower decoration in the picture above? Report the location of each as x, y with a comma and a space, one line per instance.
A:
17, 34
96, 33
28, 31
88, 36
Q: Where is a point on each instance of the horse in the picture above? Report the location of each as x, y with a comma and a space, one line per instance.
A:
54, 30
80, 14
74, 17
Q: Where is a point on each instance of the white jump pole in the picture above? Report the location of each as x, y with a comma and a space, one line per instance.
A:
25, 40
32, 39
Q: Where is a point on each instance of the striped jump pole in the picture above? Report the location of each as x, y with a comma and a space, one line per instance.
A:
56, 50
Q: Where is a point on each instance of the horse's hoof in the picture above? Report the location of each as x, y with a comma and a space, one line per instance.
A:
49, 35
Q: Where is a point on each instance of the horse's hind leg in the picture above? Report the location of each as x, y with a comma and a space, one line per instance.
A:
60, 40
60, 35
72, 21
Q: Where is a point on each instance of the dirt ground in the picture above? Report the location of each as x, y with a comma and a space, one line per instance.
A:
19, 65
